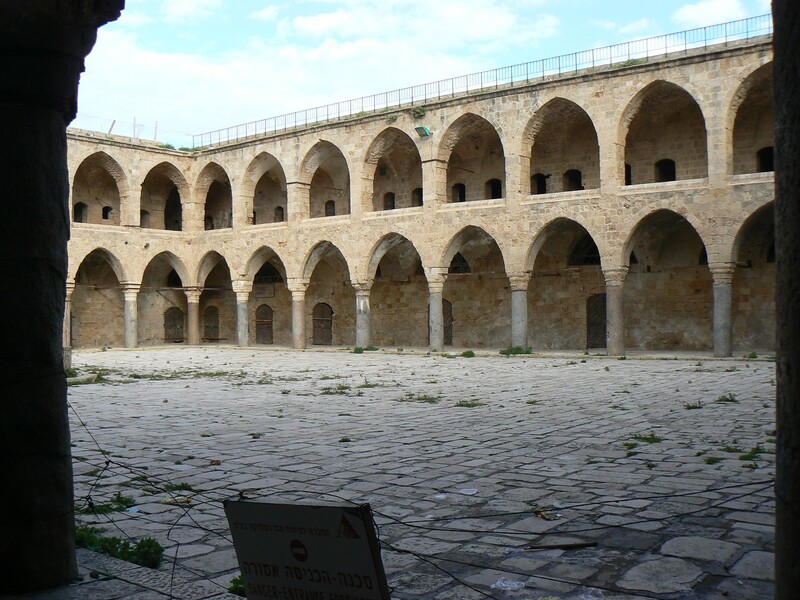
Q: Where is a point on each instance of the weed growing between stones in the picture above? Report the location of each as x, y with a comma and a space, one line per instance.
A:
512, 350
147, 552
649, 438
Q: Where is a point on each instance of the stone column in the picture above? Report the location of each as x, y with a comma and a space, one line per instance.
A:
786, 15
131, 293
298, 289
615, 313
435, 317
67, 336
193, 316
519, 309
434, 183
722, 273
242, 288
363, 314
298, 195
44, 44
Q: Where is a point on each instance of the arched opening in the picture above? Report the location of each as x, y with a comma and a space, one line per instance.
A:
144, 219
753, 291
388, 201
416, 197
174, 280
322, 319
329, 284
458, 193
572, 180
211, 324
97, 303
475, 157
174, 326
330, 208
478, 289
219, 198
326, 169
267, 180
96, 186
565, 276
398, 295
278, 217
161, 198
668, 293
161, 290
539, 183
264, 330
664, 120
562, 139
80, 213
665, 170
394, 165
753, 125
494, 189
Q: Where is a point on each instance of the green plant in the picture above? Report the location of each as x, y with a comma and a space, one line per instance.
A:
117, 503
70, 372
692, 405
178, 487
650, 438
418, 112
732, 448
345, 439
358, 350
391, 118
511, 350
751, 355
236, 587
424, 398
712, 460
468, 354
167, 146
468, 403
186, 149
147, 552
727, 398
753, 453
340, 389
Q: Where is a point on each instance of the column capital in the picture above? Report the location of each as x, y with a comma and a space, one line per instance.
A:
297, 285
519, 281
722, 272
192, 295
615, 275
436, 275
70, 285
242, 286
362, 287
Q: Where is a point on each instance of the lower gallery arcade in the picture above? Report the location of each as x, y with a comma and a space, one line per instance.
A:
631, 209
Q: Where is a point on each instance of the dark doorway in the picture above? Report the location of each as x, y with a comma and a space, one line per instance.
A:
596, 321
173, 325
322, 324
173, 212
665, 170
264, 325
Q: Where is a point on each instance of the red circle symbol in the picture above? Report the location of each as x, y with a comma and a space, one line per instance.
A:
298, 550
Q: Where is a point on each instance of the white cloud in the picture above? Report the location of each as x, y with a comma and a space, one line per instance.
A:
709, 12
183, 10
265, 14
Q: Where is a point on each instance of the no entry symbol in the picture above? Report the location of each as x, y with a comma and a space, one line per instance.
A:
298, 550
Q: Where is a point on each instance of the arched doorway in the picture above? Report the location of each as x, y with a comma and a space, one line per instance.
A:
323, 324
264, 332
173, 326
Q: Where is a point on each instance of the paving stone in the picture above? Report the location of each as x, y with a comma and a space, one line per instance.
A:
700, 548
661, 576
756, 565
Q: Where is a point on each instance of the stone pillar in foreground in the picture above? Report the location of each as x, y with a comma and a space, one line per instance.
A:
435, 315
193, 316
130, 292
298, 289
363, 314
615, 311
786, 14
722, 274
67, 334
44, 43
519, 309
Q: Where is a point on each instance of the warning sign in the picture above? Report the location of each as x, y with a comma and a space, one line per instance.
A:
304, 552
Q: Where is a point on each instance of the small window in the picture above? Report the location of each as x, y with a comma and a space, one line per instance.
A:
539, 184
416, 197
459, 264
765, 159
144, 218
80, 213
108, 213
494, 189
572, 180
459, 193
253, 218
388, 201
632, 258
330, 208
665, 170
628, 176
279, 214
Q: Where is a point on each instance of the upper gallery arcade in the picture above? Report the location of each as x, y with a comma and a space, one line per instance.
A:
623, 208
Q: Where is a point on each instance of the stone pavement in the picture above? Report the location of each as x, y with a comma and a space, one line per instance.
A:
665, 465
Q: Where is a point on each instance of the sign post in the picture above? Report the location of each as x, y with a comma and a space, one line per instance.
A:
307, 552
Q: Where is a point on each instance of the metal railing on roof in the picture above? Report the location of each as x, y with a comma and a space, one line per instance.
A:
624, 54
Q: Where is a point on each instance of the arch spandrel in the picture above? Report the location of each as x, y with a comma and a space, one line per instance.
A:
172, 260
257, 259
380, 248
76, 261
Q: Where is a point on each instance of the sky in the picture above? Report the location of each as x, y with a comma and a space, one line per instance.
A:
171, 68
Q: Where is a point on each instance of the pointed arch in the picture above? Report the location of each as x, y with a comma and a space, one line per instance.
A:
264, 191
214, 186
392, 165
164, 191
751, 123
99, 184
327, 172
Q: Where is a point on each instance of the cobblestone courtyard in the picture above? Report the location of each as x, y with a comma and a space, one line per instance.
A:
665, 464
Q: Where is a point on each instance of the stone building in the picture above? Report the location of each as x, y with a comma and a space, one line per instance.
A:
624, 206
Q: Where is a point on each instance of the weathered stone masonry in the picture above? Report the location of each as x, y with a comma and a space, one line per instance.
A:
628, 207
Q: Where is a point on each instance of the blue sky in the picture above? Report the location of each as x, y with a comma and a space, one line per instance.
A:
196, 65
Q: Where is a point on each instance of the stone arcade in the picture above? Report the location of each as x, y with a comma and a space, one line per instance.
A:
619, 207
